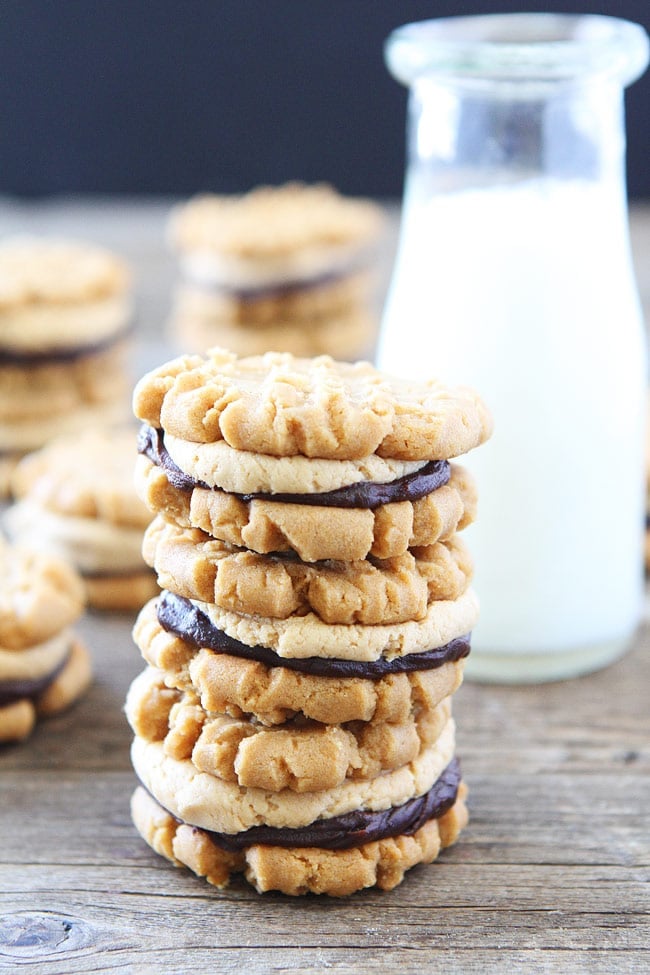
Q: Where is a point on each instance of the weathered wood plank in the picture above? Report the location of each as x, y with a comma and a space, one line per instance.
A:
66, 944
504, 901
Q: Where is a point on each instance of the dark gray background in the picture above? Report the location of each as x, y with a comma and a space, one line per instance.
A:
176, 96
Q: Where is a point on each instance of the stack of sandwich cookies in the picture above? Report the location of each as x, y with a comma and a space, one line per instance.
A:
76, 498
65, 312
43, 666
285, 268
294, 721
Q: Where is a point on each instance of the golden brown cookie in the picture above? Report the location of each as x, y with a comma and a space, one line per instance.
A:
17, 720
280, 232
280, 268
319, 408
22, 700
347, 335
32, 391
272, 695
23, 434
40, 595
101, 488
300, 637
60, 294
44, 269
65, 311
300, 755
211, 803
124, 592
36, 661
43, 668
336, 873
306, 308
368, 591
68, 685
88, 513
313, 532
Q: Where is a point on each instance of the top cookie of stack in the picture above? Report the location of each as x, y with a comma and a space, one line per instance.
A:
326, 459
65, 309
283, 268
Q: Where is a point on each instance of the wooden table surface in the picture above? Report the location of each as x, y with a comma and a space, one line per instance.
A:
552, 874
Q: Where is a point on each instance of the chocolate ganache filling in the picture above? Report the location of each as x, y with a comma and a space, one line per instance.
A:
178, 615
280, 290
355, 828
61, 353
30, 687
364, 494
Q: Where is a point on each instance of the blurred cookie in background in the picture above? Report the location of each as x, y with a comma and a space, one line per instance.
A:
76, 498
288, 268
66, 312
44, 668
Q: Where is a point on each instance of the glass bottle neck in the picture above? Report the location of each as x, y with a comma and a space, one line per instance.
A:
460, 137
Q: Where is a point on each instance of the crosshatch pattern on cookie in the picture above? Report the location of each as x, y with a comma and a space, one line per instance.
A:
281, 405
194, 565
314, 533
211, 803
300, 755
308, 636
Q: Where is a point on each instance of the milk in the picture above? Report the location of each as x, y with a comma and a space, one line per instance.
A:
526, 292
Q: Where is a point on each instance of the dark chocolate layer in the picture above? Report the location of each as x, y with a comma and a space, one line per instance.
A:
287, 288
180, 616
355, 828
62, 353
16, 690
365, 494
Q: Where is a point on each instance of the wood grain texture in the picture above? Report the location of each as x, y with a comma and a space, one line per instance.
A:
551, 876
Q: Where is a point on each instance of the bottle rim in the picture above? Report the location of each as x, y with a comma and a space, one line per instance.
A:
538, 48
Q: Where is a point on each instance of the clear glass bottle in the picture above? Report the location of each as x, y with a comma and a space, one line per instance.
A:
514, 275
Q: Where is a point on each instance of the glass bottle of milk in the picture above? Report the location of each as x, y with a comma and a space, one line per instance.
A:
514, 275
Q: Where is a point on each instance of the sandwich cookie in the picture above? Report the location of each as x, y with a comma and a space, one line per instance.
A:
365, 518
368, 591
301, 755
65, 317
335, 841
43, 667
76, 498
288, 268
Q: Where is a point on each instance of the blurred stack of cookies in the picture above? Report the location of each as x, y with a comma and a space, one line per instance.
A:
76, 499
43, 666
294, 722
65, 312
288, 268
